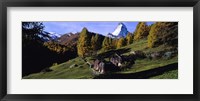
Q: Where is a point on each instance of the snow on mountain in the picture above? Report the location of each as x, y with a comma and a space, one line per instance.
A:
120, 31
47, 36
54, 35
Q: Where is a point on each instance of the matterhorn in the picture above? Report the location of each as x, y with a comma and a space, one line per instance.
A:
120, 31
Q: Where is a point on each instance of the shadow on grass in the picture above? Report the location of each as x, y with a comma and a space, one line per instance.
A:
111, 52
140, 75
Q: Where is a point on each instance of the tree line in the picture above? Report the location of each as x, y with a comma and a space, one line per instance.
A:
156, 34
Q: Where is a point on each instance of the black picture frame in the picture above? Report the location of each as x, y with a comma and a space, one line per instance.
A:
98, 3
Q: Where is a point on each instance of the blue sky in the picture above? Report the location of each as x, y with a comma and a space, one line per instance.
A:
93, 26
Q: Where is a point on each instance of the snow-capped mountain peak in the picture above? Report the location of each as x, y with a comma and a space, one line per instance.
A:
120, 31
54, 35
47, 36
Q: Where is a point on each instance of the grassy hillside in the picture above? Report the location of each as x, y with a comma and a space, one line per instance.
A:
142, 69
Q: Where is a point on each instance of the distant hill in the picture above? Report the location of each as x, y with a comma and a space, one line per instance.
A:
68, 39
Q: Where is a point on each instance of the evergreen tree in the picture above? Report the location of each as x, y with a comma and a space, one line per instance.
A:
31, 32
141, 31
83, 45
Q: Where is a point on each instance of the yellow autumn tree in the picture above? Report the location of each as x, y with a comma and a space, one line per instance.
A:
107, 43
163, 33
121, 42
129, 39
83, 45
93, 43
98, 42
141, 31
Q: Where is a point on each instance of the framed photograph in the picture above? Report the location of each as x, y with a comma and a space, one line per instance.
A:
99, 50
